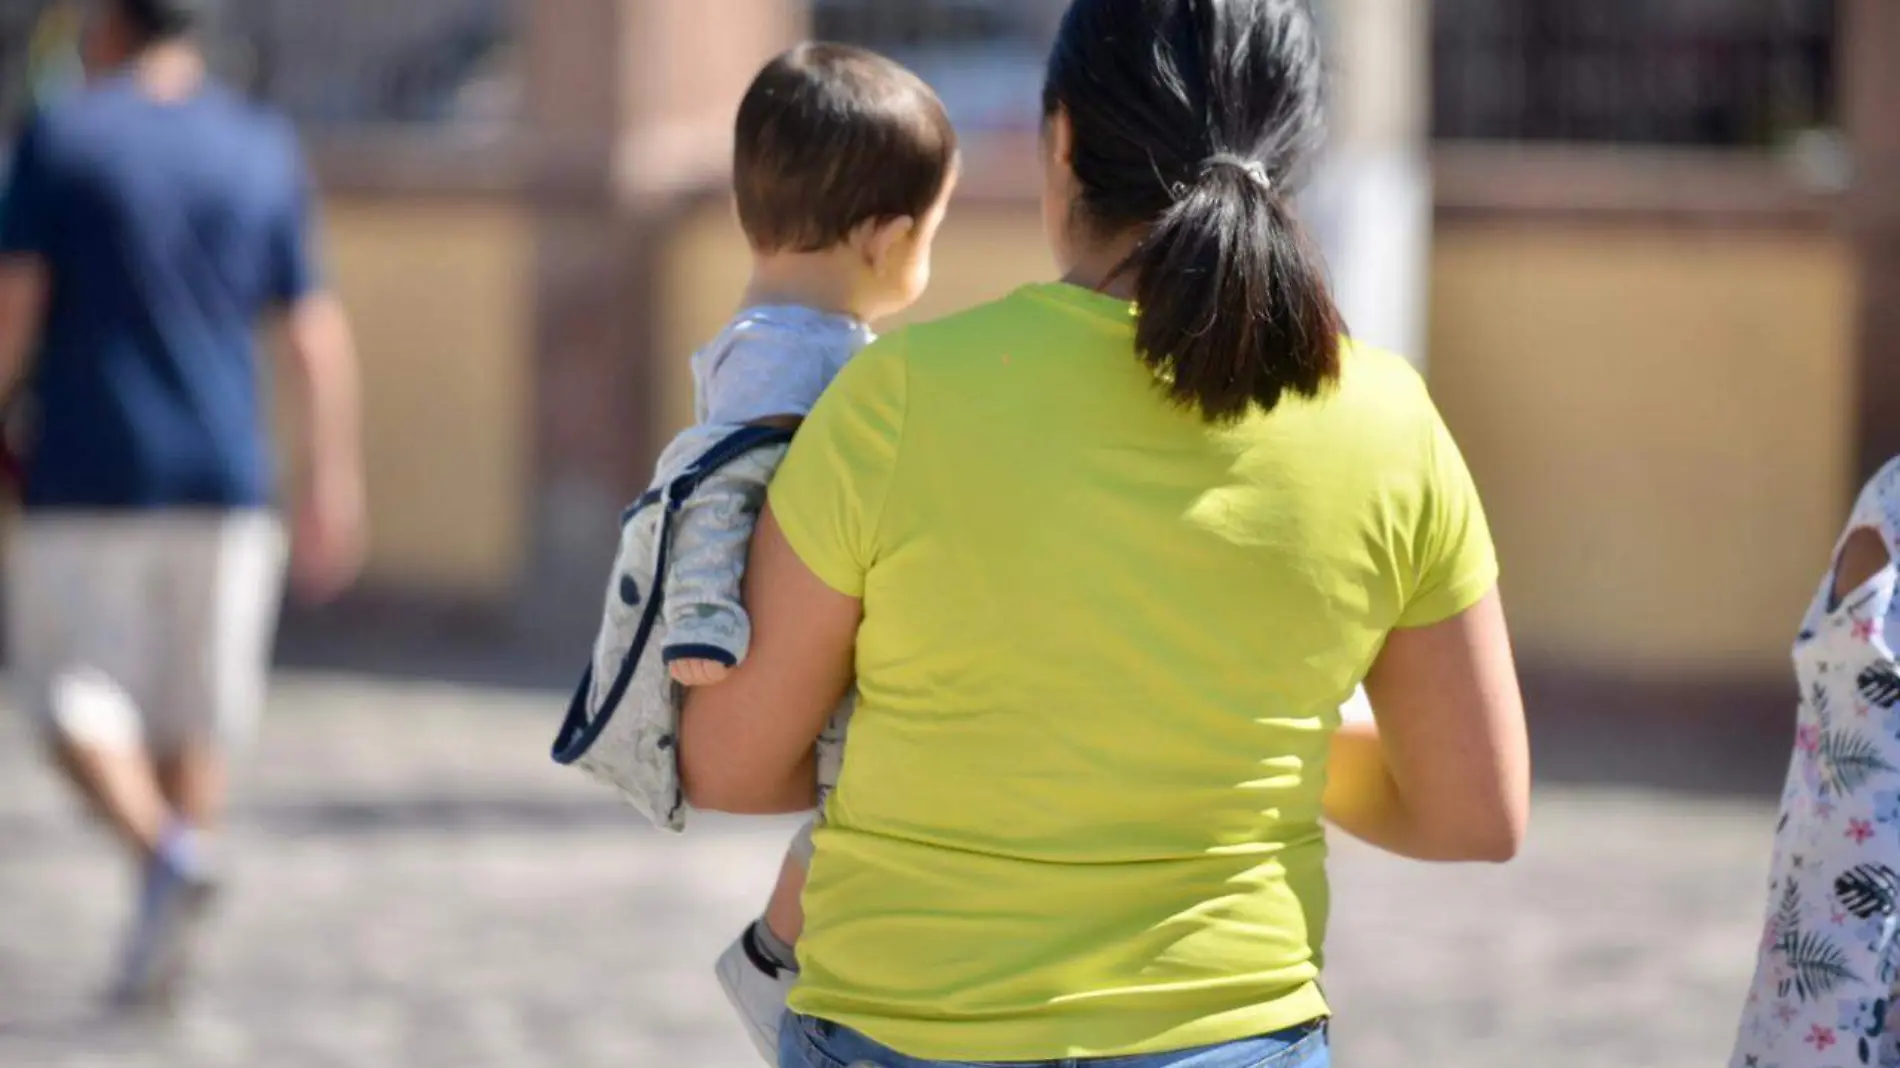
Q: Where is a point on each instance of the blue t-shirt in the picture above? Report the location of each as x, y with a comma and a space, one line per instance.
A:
168, 230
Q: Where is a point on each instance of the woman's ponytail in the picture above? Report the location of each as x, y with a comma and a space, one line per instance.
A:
1234, 306
1189, 120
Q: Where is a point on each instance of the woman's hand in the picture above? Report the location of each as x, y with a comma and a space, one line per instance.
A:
1446, 774
746, 744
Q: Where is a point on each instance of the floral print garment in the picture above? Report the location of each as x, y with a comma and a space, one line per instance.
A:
1827, 985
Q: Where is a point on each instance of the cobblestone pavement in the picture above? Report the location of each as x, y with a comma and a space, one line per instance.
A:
414, 885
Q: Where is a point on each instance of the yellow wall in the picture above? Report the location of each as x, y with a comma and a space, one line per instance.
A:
1659, 424
441, 294
1657, 419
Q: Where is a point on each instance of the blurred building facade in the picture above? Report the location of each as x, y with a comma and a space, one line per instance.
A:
1659, 238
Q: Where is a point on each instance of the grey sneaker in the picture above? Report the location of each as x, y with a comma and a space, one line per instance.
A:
757, 989
158, 951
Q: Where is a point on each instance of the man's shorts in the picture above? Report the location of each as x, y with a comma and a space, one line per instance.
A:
150, 629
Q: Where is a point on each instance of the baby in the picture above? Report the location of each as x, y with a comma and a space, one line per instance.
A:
844, 165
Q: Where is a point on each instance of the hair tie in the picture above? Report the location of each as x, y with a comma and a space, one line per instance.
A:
1252, 168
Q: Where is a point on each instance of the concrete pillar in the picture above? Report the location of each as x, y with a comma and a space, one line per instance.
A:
630, 108
1870, 39
1371, 201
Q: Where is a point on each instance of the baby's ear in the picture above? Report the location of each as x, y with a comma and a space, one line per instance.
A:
879, 240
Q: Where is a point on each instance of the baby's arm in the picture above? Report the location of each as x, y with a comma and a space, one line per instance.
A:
707, 631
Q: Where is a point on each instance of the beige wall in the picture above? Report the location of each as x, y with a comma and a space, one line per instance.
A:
1657, 419
440, 292
1660, 425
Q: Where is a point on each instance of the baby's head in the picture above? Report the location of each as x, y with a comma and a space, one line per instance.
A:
844, 166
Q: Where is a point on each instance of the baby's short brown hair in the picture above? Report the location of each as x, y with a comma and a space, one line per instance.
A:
830, 137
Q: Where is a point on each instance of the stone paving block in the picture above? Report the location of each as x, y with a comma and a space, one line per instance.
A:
414, 884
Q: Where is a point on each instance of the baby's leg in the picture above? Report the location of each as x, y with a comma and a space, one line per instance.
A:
785, 910
759, 970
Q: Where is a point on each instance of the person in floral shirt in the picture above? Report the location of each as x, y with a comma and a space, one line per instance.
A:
1824, 993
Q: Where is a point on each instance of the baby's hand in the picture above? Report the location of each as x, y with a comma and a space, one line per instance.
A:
699, 672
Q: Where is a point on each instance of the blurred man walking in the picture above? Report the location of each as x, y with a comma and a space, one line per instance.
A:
153, 220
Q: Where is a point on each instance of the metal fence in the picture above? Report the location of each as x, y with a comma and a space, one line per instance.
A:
1729, 73
326, 62
1732, 73
984, 57
374, 62
915, 24
1717, 73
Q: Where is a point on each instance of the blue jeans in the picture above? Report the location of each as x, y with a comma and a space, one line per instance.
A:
808, 1043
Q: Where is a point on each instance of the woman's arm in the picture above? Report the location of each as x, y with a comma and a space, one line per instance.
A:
746, 745
1445, 776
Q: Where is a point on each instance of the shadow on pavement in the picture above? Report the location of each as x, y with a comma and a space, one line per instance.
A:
330, 817
31, 834
465, 648
1715, 737
1697, 736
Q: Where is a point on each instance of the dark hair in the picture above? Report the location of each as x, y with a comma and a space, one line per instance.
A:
161, 20
831, 136
1192, 120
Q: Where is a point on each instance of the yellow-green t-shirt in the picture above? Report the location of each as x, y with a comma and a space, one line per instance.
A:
1103, 651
